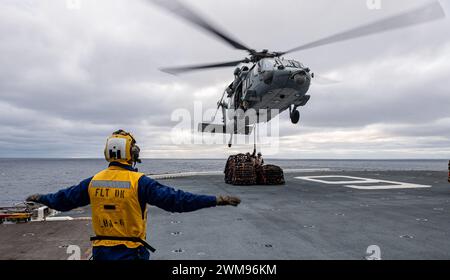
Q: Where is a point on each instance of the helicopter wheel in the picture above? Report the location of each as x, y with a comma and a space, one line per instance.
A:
295, 116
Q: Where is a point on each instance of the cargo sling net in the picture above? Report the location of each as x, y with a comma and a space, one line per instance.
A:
241, 170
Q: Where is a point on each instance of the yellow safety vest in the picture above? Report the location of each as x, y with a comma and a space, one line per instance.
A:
116, 211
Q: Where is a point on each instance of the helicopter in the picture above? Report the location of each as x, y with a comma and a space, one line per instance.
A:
266, 81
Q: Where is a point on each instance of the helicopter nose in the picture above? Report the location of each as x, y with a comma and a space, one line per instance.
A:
301, 77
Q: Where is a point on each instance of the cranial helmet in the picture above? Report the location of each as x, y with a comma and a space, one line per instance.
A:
121, 147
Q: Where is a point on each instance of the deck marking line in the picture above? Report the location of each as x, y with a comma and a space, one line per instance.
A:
354, 181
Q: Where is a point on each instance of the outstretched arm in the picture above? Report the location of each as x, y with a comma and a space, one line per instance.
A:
169, 199
66, 199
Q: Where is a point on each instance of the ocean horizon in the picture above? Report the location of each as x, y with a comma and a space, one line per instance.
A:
20, 177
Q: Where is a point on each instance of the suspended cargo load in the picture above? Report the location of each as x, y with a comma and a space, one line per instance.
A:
270, 175
241, 169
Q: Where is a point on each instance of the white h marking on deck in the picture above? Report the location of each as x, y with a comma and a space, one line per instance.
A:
352, 182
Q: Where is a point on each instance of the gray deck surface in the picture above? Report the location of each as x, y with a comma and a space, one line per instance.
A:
300, 220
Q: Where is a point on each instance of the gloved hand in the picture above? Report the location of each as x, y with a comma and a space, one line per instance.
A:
228, 200
34, 198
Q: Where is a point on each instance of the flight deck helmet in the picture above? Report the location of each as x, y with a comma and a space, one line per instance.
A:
121, 147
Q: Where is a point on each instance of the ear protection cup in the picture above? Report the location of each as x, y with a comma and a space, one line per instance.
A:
135, 150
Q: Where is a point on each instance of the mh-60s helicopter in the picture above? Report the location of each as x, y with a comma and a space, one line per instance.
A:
268, 81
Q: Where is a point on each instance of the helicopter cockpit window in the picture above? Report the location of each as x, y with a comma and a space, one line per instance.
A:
292, 63
267, 64
255, 69
296, 64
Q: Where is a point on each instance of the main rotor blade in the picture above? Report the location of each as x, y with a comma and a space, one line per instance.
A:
325, 81
427, 13
178, 70
186, 13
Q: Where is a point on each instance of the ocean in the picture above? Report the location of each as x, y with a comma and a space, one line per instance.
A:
22, 177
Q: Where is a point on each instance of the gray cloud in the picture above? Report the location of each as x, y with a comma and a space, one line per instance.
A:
70, 77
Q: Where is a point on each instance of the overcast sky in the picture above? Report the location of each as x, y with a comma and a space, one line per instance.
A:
69, 77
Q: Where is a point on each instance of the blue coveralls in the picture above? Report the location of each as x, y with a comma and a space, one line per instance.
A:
149, 192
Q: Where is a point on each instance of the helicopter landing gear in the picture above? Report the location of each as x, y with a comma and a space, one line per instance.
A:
294, 115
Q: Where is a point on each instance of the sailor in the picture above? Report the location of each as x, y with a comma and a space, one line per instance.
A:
234, 85
243, 103
119, 196
250, 158
259, 159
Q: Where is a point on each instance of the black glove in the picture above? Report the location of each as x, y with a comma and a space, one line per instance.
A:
228, 200
34, 198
